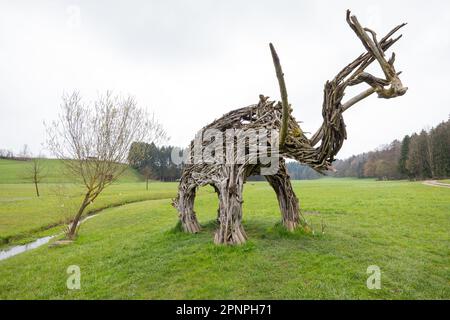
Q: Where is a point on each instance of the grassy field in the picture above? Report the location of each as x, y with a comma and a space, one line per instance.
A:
13, 171
134, 251
22, 213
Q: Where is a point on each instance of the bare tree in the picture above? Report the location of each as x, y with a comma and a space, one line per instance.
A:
25, 153
7, 154
36, 172
93, 141
147, 173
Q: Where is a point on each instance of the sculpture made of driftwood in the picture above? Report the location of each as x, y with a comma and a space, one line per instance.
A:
318, 151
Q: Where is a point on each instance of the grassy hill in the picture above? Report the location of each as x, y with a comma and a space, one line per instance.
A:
134, 251
23, 216
15, 171
22, 213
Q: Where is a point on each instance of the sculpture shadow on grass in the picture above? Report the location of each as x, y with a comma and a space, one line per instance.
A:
258, 229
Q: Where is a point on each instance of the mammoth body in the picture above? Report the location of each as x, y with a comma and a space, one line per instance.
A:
228, 179
276, 120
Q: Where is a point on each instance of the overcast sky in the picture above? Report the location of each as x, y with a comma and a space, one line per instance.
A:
189, 62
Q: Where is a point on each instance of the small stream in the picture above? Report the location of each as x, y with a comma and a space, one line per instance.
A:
5, 254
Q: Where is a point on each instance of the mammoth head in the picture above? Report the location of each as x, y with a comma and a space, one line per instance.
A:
332, 132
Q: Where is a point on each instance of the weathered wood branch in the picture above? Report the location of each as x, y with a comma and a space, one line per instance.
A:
283, 93
375, 49
357, 98
354, 74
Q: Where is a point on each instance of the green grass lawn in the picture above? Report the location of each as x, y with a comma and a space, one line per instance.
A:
14, 171
22, 213
134, 252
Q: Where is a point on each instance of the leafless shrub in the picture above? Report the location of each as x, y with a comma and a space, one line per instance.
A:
36, 172
93, 141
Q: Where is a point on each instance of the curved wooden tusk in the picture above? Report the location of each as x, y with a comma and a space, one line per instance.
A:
284, 97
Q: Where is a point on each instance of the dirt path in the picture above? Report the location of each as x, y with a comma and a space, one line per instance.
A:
435, 183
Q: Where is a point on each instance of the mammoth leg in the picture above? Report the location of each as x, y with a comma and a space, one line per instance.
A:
230, 230
217, 190
289, 205
185, 205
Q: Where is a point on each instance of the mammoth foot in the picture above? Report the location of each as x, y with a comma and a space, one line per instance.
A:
230, 236
190, 225
290, 225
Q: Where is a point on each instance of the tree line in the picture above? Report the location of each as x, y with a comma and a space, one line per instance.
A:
23, 155
419, 156
153, 162
298, 171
